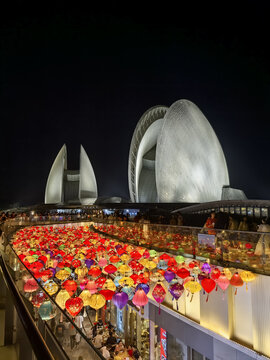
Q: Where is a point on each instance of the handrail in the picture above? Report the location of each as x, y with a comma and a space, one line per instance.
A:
37, 342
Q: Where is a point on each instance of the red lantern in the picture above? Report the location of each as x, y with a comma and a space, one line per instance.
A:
135, 255
76, 263
215, 274
100, 248
165, 257
183, 273
135, 278
172, 262
35, 267
74, 306
146, 254
173, 269
70, 286
236, 281
192, 264
110, 269
159, 294
114, 259
43, 259
108, 294
94, 271
142, 279
136, 266
100, 281
46, 275
38, 299
121, 251
208, 285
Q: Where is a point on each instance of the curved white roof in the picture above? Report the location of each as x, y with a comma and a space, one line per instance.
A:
190, 163
83, 186
54, 186
175, 156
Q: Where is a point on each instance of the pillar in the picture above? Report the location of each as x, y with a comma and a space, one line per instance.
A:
139, 332
152, 340
126, 323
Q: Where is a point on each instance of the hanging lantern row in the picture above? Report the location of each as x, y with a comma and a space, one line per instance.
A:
82, 268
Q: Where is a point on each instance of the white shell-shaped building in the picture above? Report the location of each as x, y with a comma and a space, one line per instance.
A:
175, 156
71, 186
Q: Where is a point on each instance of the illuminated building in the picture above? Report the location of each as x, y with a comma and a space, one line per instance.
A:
175, 156
71, 186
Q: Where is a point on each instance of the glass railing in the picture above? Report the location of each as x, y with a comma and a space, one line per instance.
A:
20, 336
57, 327
227, 248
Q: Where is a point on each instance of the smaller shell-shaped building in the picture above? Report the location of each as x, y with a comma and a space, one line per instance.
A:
175, 156
71, 186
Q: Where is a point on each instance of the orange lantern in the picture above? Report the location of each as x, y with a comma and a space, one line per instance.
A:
236, 281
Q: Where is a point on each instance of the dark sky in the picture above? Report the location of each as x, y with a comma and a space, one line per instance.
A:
87, 80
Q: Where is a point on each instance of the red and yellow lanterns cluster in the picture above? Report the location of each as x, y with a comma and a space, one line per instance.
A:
79, 268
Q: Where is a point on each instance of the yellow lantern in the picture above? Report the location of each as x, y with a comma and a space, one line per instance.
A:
97, 301
130, 248
227, 273
193, 287
50, 263
247, 276
30, 259
61, 298
109, 285
80, 256
81, 272
126, 281
150, 265
125, 257
124, 269
51, 287
85, 295
143, 262
62, 274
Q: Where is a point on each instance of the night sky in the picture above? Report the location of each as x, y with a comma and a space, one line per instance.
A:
88, 79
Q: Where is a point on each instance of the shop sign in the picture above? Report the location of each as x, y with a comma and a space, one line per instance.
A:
206, 239
163, 344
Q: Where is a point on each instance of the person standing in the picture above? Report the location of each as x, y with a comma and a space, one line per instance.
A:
243, 226
105, 352
98, 340
210, 223
263, 245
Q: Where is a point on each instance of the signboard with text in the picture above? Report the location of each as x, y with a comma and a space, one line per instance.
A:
163, 344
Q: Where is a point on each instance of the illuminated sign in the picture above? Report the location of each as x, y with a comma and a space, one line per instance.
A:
163, 344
